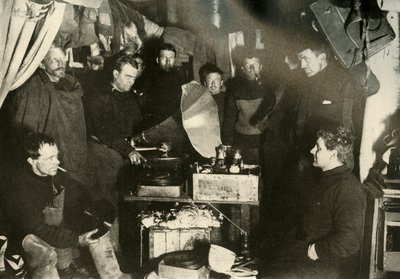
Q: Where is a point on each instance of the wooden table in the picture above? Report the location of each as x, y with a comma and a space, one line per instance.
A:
248, 210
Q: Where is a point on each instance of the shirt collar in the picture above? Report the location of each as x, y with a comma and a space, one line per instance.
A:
338, 170
114, 89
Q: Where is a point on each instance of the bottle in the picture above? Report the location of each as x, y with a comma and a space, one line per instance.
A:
219, 166
196, 167
393, 167
236, 164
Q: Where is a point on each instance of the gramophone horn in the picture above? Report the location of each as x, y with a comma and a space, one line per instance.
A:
170, 131
200, 118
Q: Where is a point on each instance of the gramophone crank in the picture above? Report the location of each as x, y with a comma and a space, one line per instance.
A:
163, 148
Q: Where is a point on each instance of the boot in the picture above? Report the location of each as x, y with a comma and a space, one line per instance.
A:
105, 260
41, 258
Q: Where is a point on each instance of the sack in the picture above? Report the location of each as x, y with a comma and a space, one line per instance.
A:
345, 34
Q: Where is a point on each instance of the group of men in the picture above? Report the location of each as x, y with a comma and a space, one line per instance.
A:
267, 119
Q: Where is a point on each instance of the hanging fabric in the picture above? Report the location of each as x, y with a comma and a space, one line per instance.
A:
20, 52
77, 28
87, 3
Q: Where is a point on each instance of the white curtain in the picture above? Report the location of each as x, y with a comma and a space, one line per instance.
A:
385, 65
20, 52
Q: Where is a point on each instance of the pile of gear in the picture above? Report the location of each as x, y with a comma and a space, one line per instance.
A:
188, 216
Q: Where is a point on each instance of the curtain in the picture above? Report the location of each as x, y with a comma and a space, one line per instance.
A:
380, 107
21, 47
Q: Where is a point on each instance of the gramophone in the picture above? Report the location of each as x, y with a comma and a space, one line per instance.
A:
162, 174
196, 124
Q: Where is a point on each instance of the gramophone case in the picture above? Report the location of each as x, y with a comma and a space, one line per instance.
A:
227, 187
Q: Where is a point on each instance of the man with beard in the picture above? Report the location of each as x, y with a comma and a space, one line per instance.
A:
50, 102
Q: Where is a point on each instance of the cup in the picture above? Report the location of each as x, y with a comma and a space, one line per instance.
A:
220, 259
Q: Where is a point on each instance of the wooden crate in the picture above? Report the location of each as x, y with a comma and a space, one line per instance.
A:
391, 259
226, 187
163, 240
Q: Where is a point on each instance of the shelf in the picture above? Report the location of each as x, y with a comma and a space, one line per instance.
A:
184, 198
391, 193
391, 180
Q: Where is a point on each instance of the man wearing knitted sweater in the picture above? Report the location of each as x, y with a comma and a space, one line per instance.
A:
249, 100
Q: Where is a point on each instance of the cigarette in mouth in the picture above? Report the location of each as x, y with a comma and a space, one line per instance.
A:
61, 169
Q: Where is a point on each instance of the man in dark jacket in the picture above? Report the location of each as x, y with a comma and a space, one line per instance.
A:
50, 102
331, 95
45, 203
164, 91
113, 116
327, 243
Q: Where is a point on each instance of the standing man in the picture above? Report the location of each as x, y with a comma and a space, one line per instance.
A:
330, 95
212, 77
113, 117
46, 204
164, 86
50, 102
250, 99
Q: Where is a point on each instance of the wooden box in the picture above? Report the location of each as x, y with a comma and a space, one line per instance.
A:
227, 187
391, 259
163, 240
174, 272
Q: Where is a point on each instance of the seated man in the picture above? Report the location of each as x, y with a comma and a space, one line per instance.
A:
46, 204
330, 237
113, 116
